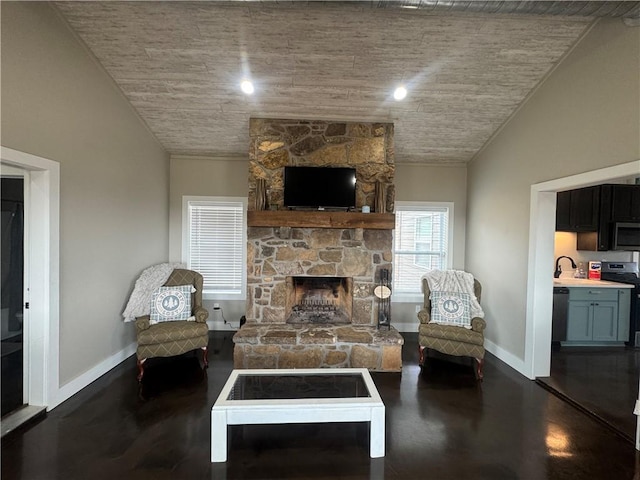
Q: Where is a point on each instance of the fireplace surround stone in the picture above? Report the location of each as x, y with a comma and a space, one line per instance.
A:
275, 254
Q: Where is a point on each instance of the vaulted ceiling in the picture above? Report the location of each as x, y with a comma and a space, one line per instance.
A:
466, 69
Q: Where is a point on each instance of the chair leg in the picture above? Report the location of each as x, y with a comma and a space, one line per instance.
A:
141, 369
422, 350
205, 358
480, 364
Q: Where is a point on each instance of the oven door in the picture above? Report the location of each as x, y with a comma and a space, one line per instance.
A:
626, 236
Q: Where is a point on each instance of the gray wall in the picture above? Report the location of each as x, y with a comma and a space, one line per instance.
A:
428, 183
585, 116
114, 177
424, 183
208, 176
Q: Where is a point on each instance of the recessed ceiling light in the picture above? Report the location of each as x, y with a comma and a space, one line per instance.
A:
400, 93
247, 87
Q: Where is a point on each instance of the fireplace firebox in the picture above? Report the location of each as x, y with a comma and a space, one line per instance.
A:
319, 300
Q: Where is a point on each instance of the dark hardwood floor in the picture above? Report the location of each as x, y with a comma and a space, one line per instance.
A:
601, 380
441, 424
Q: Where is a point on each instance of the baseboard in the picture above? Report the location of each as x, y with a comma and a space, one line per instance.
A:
408, 327
507, 357
74, 386
219, 325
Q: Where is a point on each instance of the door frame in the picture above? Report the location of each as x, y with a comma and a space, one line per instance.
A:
537, 358
43, 275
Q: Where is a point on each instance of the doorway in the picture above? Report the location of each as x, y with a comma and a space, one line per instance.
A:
40, 330
12, 286
601, 379
541, 258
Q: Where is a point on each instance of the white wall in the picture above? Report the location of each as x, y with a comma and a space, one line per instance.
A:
585, 116
114, 178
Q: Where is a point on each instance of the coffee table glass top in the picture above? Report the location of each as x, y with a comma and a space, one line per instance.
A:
298, 386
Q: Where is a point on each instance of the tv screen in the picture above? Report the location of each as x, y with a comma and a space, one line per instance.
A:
319, 187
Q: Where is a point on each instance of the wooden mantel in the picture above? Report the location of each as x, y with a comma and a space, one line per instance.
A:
320, 219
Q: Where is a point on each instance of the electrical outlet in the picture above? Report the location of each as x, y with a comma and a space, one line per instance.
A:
216, 306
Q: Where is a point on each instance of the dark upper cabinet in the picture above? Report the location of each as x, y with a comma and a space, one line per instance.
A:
563, 212
600, 238
625, 203
578, 210
618, 203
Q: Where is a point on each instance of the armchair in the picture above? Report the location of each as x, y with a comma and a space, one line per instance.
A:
449, 339
173, 338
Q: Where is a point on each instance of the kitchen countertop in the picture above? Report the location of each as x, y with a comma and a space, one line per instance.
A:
584, 282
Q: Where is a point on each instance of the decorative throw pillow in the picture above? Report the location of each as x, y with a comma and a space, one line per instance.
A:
171, 303
451, 308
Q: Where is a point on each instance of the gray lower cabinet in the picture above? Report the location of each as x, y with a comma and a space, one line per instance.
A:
598, 315
624, 313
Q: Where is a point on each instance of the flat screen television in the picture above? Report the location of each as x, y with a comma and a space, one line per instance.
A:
319, 187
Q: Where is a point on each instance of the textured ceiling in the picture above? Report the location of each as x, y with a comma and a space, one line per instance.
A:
180, 64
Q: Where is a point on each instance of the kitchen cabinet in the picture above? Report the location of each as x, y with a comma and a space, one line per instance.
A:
597, 315
624, 314
592, 321
578, 210
625, 203
618, 203
563, 211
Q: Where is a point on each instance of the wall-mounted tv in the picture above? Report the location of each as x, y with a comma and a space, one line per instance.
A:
319, 187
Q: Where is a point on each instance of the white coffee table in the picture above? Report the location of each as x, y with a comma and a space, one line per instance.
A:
325, 395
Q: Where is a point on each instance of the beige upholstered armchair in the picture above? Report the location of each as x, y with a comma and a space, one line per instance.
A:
171, 338
450, 339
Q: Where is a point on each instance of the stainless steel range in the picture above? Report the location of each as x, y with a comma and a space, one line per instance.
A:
627, 272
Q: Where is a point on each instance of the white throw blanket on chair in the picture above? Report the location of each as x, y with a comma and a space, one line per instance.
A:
149, 281
455, 281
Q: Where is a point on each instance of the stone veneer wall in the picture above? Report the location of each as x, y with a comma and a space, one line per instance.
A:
275, 253
367, 147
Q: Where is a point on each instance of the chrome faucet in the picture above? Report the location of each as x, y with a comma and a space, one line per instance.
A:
558, 271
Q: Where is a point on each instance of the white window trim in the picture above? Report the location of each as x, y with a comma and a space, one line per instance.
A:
413, 206
186, 200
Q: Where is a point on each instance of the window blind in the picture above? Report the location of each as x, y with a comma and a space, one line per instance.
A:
421, 244
216, 245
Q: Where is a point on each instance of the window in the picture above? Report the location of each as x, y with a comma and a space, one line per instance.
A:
215, 244
424, 238
421, 243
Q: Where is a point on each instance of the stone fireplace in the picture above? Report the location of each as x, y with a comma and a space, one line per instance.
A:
275, 256
311, 275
